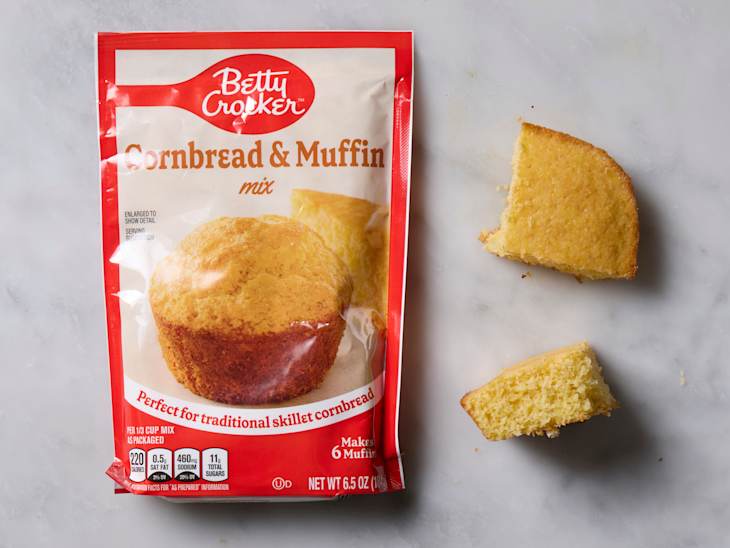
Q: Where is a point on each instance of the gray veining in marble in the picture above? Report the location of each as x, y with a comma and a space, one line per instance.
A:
648, 81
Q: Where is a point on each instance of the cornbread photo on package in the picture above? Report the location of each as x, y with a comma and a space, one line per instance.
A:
255, 196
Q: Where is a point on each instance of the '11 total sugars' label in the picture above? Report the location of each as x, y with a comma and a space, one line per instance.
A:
215, 465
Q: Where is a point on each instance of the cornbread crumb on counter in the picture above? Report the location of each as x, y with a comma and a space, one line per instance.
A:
539, 395
570, 207
357, 231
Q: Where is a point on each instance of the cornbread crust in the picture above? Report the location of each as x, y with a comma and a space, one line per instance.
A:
590, 227
250, 310
539, 395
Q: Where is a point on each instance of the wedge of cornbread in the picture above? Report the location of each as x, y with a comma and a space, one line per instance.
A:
539, 395
357, 231
570, 207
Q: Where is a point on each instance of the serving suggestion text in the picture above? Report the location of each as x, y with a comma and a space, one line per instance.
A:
273, 420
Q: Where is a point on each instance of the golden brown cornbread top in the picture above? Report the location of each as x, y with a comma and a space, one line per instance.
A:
570, 206
576, 351
259, 275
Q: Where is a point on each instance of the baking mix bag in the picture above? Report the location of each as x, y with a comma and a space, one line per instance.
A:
254, 192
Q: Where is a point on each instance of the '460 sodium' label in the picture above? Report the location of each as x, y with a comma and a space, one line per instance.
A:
187, 464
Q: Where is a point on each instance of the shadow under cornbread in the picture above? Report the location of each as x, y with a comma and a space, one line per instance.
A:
605, 450
651, 276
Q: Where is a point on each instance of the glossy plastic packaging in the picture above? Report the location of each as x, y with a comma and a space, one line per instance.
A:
254, 191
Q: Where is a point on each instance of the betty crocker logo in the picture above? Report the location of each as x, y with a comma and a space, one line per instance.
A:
246, 94
255, 94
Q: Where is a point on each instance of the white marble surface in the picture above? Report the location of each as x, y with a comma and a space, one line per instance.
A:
648, 81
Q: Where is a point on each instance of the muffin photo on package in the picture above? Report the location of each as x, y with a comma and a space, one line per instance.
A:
250, 310
255, 210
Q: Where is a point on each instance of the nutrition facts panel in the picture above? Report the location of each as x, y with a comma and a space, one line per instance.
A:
185, 464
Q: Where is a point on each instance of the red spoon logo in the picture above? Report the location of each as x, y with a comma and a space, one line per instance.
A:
246, 94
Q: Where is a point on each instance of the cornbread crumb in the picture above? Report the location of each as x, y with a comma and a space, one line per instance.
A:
570, 207
527, 274
682, 378
539, 395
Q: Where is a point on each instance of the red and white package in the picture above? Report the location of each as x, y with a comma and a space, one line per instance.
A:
255, 190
